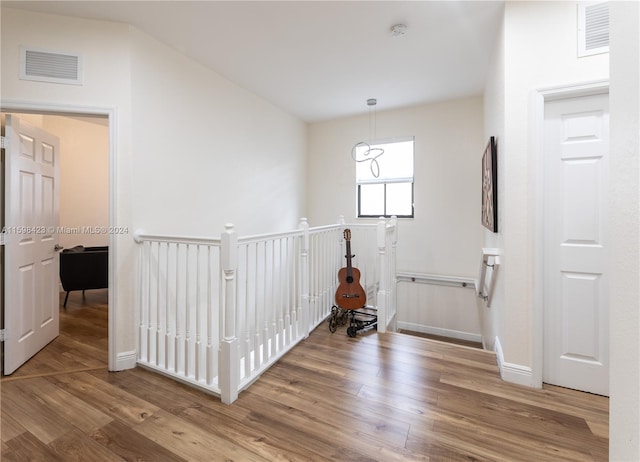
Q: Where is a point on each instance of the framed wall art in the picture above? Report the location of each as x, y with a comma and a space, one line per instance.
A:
490, 186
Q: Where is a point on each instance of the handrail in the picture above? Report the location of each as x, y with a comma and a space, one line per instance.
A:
436, 279
484, 292
262, 237
140, 236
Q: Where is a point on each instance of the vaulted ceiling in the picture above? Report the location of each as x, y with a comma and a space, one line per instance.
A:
320, 59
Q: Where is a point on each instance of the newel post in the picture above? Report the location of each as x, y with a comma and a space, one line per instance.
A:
383, 308
228, 359
304, 311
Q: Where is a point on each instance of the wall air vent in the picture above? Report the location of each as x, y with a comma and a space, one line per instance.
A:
593, 28
50, 66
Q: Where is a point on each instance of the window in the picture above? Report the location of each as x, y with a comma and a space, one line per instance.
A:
391, 191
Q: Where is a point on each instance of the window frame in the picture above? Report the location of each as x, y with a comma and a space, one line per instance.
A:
388, 181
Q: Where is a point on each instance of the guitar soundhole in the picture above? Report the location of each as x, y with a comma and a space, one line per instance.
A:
349, 279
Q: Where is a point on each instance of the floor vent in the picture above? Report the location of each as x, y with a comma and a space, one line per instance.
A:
50, 66
593, 28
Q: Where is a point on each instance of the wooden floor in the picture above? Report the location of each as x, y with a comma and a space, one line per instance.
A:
376, 397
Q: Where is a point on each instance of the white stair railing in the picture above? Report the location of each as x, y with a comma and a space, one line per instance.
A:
269, 304
178, 293
216, 313
386, 242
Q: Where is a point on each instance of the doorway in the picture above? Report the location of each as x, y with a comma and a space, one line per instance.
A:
574, 276
82, 344
86, 211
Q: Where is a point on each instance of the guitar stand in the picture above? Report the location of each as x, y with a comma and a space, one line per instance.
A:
359, 320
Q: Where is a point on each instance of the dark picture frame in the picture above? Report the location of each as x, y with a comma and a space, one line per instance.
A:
490, 186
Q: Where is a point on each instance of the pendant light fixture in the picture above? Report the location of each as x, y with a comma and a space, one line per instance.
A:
362, 151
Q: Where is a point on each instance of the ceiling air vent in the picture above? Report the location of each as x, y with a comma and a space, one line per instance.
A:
593, 28
50, 66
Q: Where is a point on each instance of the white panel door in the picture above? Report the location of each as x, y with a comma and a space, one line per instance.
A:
576, 314
31, 261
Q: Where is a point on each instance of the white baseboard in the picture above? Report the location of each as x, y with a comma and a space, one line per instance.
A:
439, 331
513, 373
125, 360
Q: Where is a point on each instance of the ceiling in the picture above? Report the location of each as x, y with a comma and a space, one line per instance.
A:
320, 60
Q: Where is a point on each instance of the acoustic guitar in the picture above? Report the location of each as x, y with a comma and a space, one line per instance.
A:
350, 295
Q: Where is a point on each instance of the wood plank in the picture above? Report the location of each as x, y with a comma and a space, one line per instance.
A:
10, 428
77, 446
406, 402
383, 397
349, 441
371, 418
249, 437
118, 438
166, 393
39, 420
525, 422
191, 441
575, 403
109, 400
73, 410
27, 447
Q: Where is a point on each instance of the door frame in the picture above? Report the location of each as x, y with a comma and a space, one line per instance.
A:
538, 100
111, 113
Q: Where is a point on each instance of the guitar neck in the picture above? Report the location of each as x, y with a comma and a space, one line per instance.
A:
349, 267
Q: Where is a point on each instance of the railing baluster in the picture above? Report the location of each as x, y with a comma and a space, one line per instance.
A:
265, 307
273, 334
149, 335
272, 302
255, 289
303, 314
187, 312
167, 322
158, 332
142, 351
198, 353
178, 338
248, 319
288, 272
279, 286
316, 258
263, 295
210, 326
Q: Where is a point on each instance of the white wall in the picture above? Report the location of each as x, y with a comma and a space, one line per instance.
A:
490, 318
442, 310
444, 238
530, 60
208, 152
84, 179
188, 146
624, 417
